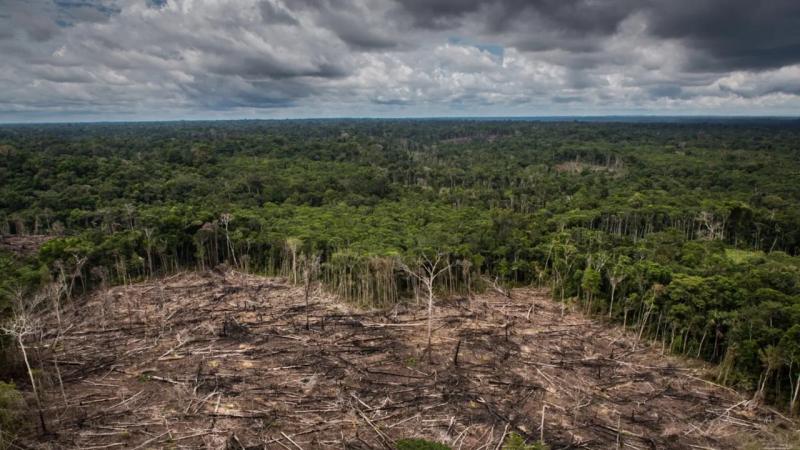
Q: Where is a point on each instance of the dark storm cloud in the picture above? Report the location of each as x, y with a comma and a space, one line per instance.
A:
391, 101
584, 16
264, 66
725, 34
220, 93
352, 22
537, 23
349, 28
731, 34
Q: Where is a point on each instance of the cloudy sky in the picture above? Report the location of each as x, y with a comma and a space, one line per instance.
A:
183, 59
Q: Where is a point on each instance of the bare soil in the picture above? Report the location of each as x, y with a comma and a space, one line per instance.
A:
23, 245
222, 359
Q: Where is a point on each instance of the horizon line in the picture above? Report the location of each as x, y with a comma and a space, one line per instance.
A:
533, 118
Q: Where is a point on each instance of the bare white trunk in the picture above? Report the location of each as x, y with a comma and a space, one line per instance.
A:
33, 382
641, 330
611, 304
430, 314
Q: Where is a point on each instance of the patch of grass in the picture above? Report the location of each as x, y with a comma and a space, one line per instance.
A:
741, 256
143, 378
516, 442
419, 444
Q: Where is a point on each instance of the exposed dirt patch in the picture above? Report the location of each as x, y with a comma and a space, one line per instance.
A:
578, 167
223, 360
23, 245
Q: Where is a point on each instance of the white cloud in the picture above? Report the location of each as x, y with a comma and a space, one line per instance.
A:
217, 58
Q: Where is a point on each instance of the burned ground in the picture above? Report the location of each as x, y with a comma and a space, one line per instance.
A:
222, 359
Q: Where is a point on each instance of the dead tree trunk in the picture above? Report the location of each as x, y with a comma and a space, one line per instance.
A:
429, 268
22, 348
641, 329
614, 282
225, 220
310, 269
293, 244
21, 325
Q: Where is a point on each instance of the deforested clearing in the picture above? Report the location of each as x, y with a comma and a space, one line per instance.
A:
223, 359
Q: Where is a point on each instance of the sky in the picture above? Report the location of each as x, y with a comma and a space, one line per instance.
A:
89, 60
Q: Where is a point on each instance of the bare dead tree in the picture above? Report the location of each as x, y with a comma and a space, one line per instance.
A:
616, 275
54, 347
427, 270
563, 259
466, 266
20, 326
657, 289
148, 248
292, 245
53, 292
310, 270
102, 274
793, 404
55, 289
130, 213
68, 281
497, 287
225, 219
712, 228
771, 359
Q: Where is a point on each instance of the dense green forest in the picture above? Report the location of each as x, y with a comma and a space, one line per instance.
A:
686, 233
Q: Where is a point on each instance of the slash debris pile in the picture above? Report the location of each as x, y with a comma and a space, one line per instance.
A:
223, 359
23, 245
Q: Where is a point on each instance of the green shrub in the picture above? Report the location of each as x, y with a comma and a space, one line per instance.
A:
420, 444
516, 442
11, 406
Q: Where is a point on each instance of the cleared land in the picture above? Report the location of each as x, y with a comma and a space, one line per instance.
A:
222, 359
23, 245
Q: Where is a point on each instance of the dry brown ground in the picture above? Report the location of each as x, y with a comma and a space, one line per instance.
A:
23, 245
223, 360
